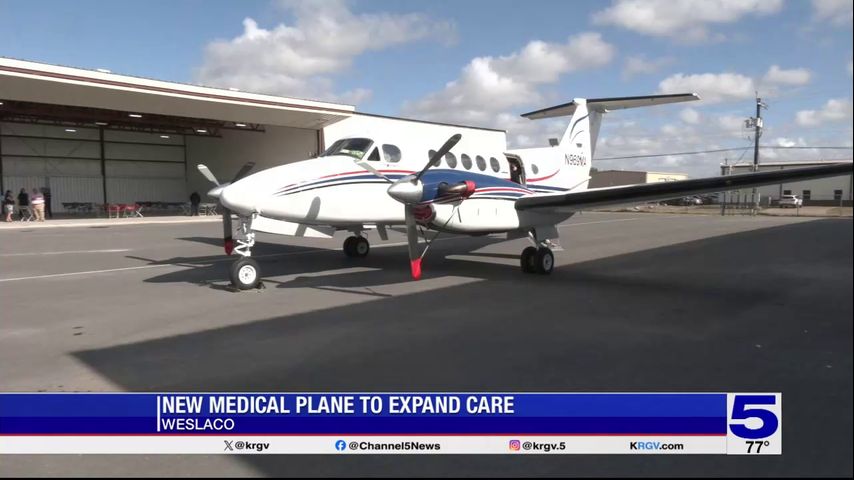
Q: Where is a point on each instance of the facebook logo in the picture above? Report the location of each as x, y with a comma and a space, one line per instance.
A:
340, 445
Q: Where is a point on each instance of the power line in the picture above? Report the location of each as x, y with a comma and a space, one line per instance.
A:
719, 150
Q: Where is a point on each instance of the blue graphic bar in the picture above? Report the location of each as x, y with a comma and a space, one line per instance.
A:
363, 413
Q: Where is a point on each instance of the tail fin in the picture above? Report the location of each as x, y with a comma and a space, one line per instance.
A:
583, 131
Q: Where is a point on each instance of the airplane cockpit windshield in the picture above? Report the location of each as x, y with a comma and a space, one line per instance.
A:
354, 147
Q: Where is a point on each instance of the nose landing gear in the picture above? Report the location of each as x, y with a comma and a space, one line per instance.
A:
245, 273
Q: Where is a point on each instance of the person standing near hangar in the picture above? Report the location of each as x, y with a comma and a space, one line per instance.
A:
37, 200
9, 205
195, 200
23, 203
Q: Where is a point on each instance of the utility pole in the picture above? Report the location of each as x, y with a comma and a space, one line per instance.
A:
756, 123
757, 132
723, 197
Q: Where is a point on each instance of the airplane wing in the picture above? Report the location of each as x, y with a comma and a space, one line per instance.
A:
630, 194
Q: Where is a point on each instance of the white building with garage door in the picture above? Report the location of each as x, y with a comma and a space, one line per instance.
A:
825, 191
95, 137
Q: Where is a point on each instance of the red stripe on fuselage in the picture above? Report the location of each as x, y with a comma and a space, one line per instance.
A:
543, 178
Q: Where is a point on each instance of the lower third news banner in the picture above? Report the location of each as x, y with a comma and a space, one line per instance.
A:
392, 423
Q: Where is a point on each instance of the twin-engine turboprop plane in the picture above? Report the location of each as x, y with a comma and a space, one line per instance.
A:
359, 184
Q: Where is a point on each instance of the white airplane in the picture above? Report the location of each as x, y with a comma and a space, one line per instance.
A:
360, 184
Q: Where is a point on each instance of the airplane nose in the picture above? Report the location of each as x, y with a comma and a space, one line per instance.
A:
405, 191
238, 199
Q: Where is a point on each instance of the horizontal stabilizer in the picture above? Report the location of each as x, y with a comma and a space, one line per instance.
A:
646, 192
604, 105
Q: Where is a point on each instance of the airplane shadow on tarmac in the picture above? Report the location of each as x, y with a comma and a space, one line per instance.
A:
278, 260
763, 310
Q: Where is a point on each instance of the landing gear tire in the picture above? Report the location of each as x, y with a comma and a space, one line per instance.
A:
245, 273
545, 261
528, 260
356, 247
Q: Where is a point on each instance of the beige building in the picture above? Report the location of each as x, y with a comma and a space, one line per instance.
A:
612, 178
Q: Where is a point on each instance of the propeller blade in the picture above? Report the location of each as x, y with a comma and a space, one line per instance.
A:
412, 242
434, 160
243, 171
373, 170
227, 232
204, 170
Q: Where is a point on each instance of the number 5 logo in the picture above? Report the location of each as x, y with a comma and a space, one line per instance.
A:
745, 407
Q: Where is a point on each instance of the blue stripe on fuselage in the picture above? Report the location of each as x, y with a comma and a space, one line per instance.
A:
434, 177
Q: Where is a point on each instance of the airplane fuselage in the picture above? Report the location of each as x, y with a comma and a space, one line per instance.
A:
334, 191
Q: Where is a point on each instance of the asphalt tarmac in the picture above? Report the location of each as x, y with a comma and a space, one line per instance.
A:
637, 302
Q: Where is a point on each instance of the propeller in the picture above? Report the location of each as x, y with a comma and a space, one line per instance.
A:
367, 166
227, 228
409, 191
204, 170
412, 242
437, 157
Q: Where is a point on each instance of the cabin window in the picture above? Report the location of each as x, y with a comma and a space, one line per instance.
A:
534, 169
493, 162
466, 161
375, 155
451, 160
392, 153
354, 147
481, 163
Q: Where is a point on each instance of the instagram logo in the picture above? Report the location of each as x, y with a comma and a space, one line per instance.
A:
515, 445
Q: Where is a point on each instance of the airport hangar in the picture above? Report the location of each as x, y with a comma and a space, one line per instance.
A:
95, 137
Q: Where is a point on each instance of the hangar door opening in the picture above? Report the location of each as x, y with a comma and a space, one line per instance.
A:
91, 165
144, 167
67, 162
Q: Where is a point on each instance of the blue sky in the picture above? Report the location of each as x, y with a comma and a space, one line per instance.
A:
485, 62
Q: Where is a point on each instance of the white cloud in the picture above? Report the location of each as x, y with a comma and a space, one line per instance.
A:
835, 110
789, 142
297, 60
686, 20
690, 116
792, 77
489, 87
640, 65
712, 87
837, 12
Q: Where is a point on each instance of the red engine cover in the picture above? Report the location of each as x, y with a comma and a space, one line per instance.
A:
470, 188
423, 214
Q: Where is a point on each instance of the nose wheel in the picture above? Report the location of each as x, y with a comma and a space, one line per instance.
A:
356, 247
245, 273
537, 260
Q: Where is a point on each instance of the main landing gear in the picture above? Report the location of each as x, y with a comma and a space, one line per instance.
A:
539, 257
537, 260
356, 246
